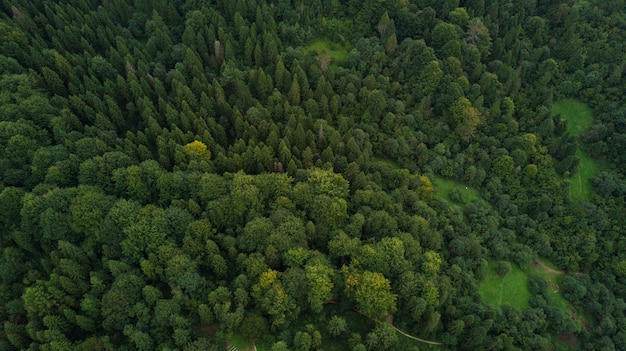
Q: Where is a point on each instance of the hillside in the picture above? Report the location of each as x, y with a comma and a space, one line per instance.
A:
312, 175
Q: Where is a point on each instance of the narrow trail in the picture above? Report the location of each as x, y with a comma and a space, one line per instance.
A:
540, 263
400, 331
571, 311
580, 183
414, 337
501, 288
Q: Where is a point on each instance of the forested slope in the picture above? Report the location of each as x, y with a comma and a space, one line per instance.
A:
178, 174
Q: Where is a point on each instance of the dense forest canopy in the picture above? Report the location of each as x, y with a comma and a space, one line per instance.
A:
311, 175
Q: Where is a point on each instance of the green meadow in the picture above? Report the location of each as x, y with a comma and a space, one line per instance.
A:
511, 289
337, 52
579, 117
580, 187
444, 189
550, 273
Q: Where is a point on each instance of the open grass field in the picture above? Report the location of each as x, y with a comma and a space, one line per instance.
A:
579, 117
512, 289
444, 187
337, 52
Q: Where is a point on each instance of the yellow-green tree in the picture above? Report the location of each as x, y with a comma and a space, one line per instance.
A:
466, 117
371, 291
320, 284
272, 298
198, 149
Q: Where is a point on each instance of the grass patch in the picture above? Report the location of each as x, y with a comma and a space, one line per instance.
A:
454, 193
337, 52
560, 344
550, 273
511, 289
580, 187
237, 340
579, 117
577, 114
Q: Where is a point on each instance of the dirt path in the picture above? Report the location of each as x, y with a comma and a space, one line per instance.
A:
540, 263
416, 338
400, 331
572, 313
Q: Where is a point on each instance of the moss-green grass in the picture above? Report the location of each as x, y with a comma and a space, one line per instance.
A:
561, 346
580, 187
237, 340
512, 289
577, 113
555, 298
387, 161
337, 52
444, 186
554, 293
579, 117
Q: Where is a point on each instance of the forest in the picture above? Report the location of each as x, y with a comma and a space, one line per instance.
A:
273, 175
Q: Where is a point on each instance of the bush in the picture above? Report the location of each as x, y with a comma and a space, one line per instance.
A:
503, 268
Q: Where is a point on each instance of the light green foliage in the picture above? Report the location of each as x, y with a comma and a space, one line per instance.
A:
385, 256
430, 77
246, 197
337, 325
320, 284
459, 17
337, 53
503, 166
330, 211
117, 303
87, 211
256, 234
478, 34
341, 245
326, 182
430, 293
146, 235
432, 262
466, 118
272, 298
295, 257
371, 291
382, 337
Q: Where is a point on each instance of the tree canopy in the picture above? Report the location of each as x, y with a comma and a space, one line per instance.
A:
310, 175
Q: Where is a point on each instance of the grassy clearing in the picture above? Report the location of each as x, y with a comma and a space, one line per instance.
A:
560, 345
237, 340
577, 114
550, 273
512, 289
444, 188
580, 187
579, 117
386, 161
337, 52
